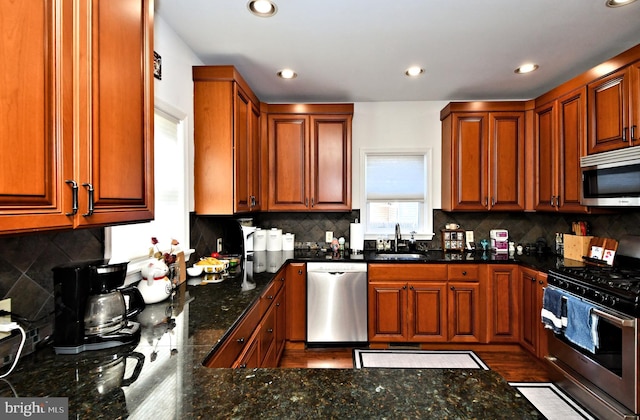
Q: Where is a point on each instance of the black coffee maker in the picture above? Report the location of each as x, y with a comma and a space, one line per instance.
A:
91, 310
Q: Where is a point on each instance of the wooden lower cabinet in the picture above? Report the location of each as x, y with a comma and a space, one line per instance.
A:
258, 340
296, 302
534, 335
416, 303
503, 303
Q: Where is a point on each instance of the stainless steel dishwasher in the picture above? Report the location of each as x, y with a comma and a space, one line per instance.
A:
336, 302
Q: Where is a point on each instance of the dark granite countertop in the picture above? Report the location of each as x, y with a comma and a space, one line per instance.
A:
162, 376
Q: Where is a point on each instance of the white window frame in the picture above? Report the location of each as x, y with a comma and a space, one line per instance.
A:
426, 232
135, 263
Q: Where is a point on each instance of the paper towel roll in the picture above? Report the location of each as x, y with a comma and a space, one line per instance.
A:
356, 236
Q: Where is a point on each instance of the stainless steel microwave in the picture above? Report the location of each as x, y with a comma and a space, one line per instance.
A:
611, 179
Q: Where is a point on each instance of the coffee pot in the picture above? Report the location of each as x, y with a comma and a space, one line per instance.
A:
92, 312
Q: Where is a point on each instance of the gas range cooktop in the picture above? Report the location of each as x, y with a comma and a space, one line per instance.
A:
616, 287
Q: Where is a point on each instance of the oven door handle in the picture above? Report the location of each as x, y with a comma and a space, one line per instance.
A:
619, 322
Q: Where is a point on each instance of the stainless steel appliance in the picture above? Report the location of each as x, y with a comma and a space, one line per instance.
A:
336, 303
91, 312
611, 178
606, 377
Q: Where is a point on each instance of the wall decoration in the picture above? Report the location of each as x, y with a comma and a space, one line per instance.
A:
157, 66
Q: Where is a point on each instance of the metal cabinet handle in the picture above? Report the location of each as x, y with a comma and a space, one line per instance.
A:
243, 366
624, 134
89, 188
633, 133
74, 197
493, 201
306, 202
486, 201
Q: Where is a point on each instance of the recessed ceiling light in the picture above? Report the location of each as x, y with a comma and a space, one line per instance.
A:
526, 68
414, 71
262, 8
287, 74
618, 3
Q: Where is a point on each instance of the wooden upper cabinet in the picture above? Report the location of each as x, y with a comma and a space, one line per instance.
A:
483, 157
76, 114
560, 132
613, 110
309, 158
116, 158
226, 141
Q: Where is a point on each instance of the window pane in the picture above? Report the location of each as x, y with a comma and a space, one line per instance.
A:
383, 216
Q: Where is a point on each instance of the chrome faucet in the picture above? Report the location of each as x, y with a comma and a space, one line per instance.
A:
398, 237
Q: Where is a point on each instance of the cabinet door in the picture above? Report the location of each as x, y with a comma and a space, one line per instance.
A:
463, 312
469, 162
506, 160
572, 124
387, 311
255, 160
608, 112
281, 323
427, 312
330, 169
116, 136
545, 156
634, 131
296, 302
530, 318
288, 162
267, 336
36, 113
250, 357
242, 150
503, 304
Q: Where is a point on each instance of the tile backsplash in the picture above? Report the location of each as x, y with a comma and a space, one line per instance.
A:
26, 260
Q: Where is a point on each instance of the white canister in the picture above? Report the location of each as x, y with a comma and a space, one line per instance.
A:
260, 240
288, 241
274, 239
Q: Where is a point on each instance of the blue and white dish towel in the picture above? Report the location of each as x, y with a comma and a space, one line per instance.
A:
572, 317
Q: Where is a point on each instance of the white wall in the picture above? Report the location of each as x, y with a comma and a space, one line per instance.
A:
175, 90
397, 125
375, 124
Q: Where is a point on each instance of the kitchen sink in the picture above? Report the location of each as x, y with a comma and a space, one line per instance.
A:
401, 257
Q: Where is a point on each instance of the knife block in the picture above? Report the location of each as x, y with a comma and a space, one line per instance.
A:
576, 247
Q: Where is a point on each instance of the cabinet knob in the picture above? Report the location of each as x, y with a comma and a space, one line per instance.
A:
452, 288
243, 366
404, 287
277, 303
540, 282
300, 272
533, 279
464, 273
270, 297
411, 287
281, 278
240, 340
270, 330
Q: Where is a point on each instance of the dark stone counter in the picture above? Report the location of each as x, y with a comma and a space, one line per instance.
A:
162, 376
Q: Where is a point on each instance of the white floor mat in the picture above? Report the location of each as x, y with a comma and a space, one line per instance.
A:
408, 359
551, 401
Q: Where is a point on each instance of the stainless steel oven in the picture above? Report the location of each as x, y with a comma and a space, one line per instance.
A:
606, 381
603, 375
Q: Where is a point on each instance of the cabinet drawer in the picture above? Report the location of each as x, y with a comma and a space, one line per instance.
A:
269, 295
464, 272
267, 334
384, 272
226, 355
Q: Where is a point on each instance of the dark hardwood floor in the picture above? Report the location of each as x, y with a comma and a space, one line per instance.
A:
512, 362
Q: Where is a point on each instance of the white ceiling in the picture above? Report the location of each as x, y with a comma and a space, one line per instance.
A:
358, 50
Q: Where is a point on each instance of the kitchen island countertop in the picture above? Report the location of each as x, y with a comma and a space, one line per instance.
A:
162, 376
